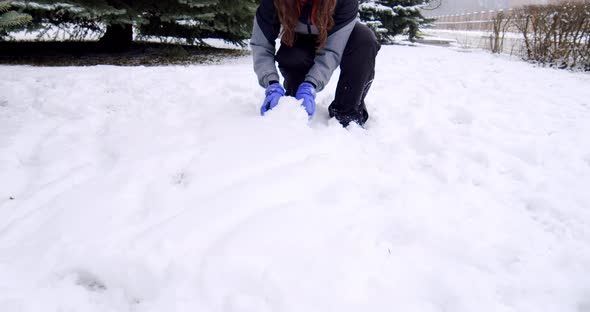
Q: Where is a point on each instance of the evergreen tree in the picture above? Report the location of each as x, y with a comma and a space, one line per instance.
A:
10, 19
192, 20
389, 18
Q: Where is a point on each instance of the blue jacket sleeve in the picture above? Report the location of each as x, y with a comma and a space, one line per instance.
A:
265, 32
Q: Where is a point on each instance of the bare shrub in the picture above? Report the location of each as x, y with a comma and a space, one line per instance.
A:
500, 24
557, 35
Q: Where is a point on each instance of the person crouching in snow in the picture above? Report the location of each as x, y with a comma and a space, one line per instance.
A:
317, 36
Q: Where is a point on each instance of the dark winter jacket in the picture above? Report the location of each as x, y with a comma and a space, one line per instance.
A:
267, 28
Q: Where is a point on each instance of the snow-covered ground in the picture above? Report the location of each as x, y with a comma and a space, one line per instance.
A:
513, 43
162, 189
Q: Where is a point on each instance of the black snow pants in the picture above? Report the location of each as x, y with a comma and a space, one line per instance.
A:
357, 70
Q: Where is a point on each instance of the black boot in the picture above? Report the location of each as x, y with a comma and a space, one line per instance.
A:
357, 70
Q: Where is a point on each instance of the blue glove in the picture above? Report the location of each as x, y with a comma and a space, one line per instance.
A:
273, 93
306, 92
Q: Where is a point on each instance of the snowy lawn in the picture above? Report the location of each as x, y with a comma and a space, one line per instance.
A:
162, 189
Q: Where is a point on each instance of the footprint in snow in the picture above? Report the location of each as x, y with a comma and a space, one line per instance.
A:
181, 179
461, 116
90, 281
546, 215
584, 306
423, 143
246, 303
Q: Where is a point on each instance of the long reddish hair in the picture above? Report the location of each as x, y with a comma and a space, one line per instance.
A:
322, 18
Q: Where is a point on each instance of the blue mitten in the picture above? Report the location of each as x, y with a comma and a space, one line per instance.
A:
306, 92
273, 93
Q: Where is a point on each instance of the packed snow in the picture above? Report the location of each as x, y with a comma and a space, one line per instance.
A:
162, 189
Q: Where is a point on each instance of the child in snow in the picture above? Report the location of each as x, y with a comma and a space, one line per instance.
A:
316, 37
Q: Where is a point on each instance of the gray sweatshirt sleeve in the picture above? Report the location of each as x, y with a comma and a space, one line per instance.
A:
263, 52
328, 58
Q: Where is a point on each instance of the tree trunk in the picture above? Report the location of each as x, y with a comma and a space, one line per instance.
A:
117, 37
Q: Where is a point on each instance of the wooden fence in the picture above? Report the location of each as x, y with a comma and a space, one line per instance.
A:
479, 21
